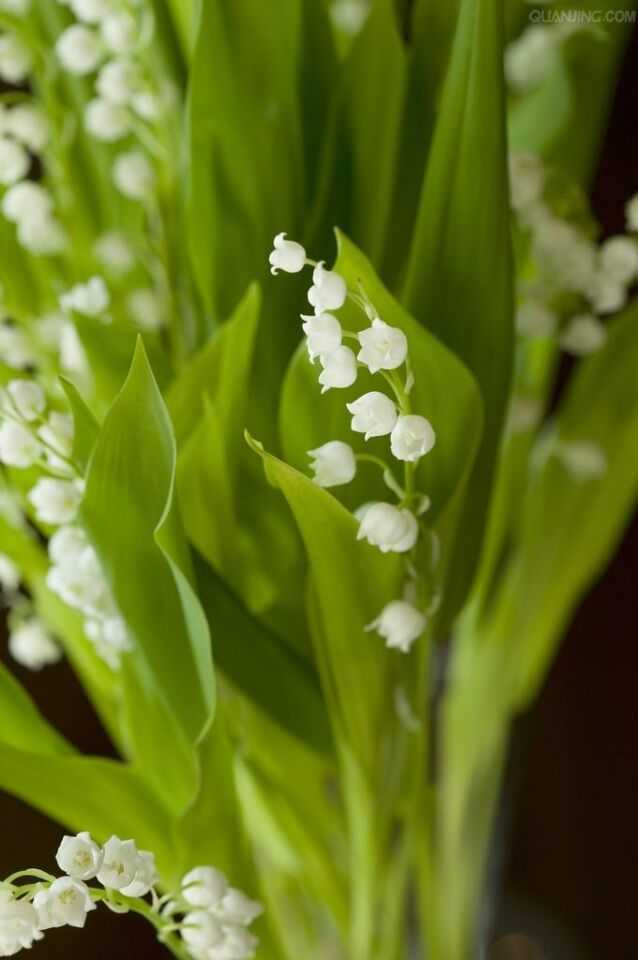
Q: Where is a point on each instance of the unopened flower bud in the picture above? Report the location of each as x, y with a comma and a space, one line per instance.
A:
400, 624
287, 255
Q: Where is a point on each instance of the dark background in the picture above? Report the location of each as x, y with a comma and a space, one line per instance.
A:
570, 880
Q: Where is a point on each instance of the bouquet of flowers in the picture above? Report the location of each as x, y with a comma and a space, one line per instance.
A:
307, 516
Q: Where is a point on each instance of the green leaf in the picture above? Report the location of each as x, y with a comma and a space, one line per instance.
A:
245, 176
129, 513
90, 793
22, 726
86, 427
247, 651
459, 275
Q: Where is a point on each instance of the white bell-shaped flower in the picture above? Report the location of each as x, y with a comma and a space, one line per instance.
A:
527, 180
16, 349
133, 174
18, 446
28, 398
145, 876
106, 120
28, 124
323, 332
382, 347
585, 461
204, 887
534, 319
146, 104
606, 293
14, 161
55, 501
237, 908
631, 214
333, 464
287, 255
391, 529
120, 31
26, 199
412, 437
373, 414
16, 59
400, 624
145, 308
90, 299
79, 49
328, 290
9, 575
32, 646
583, 334
41, 234
119, 865
120, 80
79, 857
339, 369
65, 903
57, 433
18, 924
619, 259
201, 931
114, 252
238, 944
110, 639
531, 57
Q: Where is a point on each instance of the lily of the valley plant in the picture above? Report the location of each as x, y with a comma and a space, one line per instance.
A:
306, 522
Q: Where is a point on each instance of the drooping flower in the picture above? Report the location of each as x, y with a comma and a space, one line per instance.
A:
79, 857
18, 924
90, 299
145, 876
606, 293
583, 334
333, 464
15, 59
18, 446
287, 255
204, 887
9, 575
530, 57
412, 437
339, 369
133, 174
114, 251
120, 80
145, 308
534, 319
106, 120
619, 259
79, 49
201, 931
14, 161
323, 332
41, 234
237, 944
26, 199
391, 529
65, 903
32, 646
527, 179
55, 501
373, 414
237, 908
382, 347
28, 124
328, 290
90, 11
119, 865
400, 624
28, 398
120, 31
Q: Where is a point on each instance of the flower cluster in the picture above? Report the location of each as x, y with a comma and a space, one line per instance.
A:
568, 280
30, 435
206, 917
106, 39
382, 350
24, 133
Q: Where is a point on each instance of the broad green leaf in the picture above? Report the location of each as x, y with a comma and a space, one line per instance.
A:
245, 182
352, 582
444, 392
459, 275
22, 726
129, 513
247, 651
86, 427
90, 793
